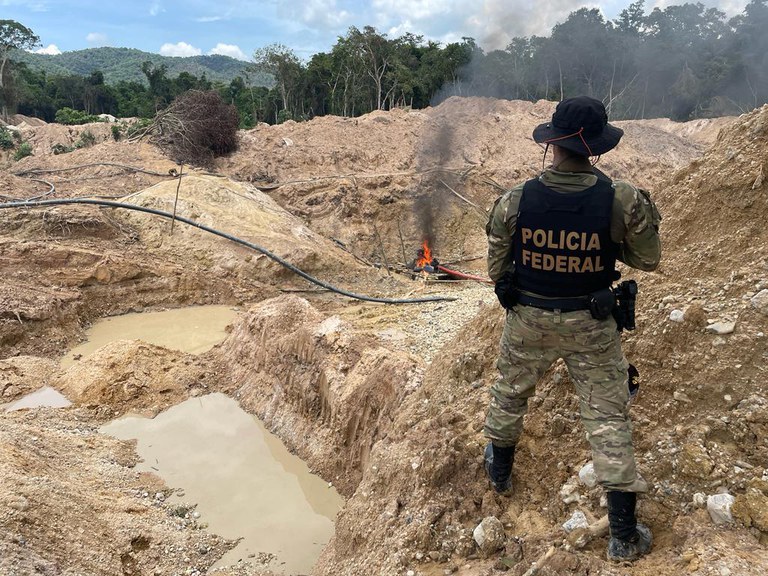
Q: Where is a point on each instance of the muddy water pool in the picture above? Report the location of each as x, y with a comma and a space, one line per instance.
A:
44, 398
245, 482
193, 330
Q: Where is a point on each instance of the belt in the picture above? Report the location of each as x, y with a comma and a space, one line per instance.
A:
564, 304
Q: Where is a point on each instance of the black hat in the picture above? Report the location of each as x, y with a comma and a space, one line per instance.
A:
579, 124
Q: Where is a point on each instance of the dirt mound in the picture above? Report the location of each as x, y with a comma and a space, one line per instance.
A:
109, 169
134, 377
44, 138
24, 374
19, 119
240, 210
404, 170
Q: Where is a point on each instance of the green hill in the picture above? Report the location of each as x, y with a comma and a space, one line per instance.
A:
125, 64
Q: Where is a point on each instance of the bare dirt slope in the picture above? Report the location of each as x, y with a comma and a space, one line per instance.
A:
385, 402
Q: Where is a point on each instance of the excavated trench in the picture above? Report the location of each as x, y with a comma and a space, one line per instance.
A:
219, 460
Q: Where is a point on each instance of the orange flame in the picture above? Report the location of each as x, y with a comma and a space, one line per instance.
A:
425, 256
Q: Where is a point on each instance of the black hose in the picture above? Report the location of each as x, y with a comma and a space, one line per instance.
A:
52, 190
267, 253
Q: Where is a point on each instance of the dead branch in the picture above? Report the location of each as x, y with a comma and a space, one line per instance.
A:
478, 208
381, 247
35, 171
197, 127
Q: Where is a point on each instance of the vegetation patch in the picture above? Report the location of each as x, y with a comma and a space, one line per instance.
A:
6, 139
24, 150
72, 117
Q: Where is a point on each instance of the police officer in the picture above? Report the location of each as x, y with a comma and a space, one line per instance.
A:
553, 242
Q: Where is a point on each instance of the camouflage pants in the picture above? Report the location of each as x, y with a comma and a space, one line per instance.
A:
533, 339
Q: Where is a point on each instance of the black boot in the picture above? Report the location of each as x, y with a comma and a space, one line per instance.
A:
498, 467
629, 540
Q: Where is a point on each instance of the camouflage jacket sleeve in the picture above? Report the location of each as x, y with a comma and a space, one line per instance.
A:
637, 227
502, 223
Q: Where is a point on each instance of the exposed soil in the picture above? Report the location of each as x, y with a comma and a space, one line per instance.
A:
386, 402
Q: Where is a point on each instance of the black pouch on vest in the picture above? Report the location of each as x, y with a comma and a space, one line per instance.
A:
506, 291
602, 303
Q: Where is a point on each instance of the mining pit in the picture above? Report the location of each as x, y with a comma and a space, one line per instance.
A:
382, 403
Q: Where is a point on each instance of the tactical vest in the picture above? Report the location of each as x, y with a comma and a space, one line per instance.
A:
563, 245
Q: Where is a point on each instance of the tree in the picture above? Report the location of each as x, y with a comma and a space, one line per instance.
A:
159, 84
750, 42
286, 68
376, 54
13, 36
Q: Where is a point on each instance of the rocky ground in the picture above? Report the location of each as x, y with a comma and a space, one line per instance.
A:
387, 402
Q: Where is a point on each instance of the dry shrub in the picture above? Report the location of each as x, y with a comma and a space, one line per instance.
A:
197, 127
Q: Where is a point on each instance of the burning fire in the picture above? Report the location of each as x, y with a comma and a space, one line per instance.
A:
424, 256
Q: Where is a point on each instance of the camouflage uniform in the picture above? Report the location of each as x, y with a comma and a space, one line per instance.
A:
534, 338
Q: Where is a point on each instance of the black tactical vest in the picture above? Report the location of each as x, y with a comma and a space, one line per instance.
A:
563, 245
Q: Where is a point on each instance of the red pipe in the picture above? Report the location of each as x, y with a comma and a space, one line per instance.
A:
464, 276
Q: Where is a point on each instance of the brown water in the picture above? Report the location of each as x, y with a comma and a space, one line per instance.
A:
245, 482
193, 330
44, 398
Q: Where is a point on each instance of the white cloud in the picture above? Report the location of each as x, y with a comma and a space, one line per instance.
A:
228, 50
179, 49
205, 19
156, 8
51, 49
493, 23
33, 6
322, 14
97, 38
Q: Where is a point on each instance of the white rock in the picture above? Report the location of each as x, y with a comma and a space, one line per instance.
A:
410, 573
719, 508
760, 302
489, 535
677, 316
700, 500
721, 328
569, 493
576, 521
587, 475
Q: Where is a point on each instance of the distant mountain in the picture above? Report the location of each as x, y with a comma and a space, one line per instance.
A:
125, 64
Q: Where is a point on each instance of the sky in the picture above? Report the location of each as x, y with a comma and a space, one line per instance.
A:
239, 27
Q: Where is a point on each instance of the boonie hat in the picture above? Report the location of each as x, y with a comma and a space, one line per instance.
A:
579, 124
